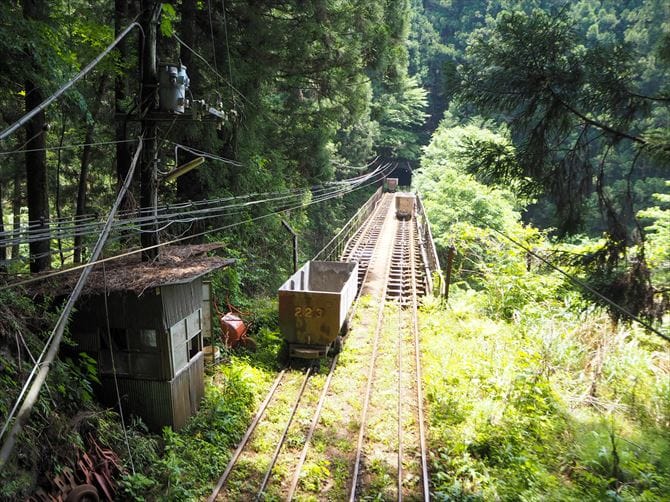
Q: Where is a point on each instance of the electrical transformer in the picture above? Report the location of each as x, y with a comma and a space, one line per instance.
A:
173, 83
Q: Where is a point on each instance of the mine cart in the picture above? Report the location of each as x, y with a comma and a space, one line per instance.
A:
404, 205
313, 307
391, 185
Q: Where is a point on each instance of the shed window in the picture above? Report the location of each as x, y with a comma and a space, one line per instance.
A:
186, 338
135, 352
114, 342
148, 338
119, 338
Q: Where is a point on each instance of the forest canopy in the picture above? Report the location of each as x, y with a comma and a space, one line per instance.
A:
536, 132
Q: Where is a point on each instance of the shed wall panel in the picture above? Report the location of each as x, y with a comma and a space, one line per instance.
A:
149, 399
126, 310
197, 380
206, 310
181, 399
180, 300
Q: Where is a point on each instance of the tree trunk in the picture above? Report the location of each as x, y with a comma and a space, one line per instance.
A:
120, 92
3, 249
58, 191
36, 181
189, 186
36, 161
81, 191
16, 212
80, 210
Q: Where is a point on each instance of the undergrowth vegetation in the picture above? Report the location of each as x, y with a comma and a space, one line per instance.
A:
534, 393
550, 405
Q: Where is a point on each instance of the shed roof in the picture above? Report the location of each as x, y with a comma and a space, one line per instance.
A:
176, 265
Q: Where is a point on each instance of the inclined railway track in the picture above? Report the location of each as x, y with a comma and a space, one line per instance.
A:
361, 248
404, 282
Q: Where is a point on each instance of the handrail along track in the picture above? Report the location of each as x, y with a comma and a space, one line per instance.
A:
363, 238
408, 271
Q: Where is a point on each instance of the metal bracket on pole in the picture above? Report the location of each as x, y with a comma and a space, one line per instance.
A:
295, 244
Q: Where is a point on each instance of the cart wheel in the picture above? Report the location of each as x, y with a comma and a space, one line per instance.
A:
83, 493
345, 328
283, 353
248, 343
336, 347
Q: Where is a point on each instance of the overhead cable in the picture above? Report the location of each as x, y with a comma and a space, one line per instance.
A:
336, 193
23, 120
572, 278
71, 229
37, 378
67, 147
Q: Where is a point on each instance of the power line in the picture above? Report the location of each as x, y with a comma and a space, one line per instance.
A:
176, 205
37, 378
211, 33
70, 229
208, 155
52, 344
225, 81
328, 196
225, 31
574, 279
67, 147
23, 120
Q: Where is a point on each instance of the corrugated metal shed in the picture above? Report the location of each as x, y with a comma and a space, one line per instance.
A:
157, 315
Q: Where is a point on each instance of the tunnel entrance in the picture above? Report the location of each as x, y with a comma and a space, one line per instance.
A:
404, 174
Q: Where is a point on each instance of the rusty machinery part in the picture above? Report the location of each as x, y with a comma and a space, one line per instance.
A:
233, 328
83, 493
94, 469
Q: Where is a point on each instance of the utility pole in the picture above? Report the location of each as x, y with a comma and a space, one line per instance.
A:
36, 160
149, 103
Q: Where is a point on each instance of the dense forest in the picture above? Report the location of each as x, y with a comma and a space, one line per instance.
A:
538, 136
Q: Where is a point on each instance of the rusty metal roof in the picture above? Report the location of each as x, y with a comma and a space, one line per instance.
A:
176, 265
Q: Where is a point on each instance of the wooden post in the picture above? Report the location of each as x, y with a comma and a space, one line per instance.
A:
450, 262
149, 103
295, 245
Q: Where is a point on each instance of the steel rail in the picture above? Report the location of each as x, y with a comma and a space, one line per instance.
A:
425, 480
312, 428
368, 389
405, 273
364, 229
282, 440
245, 439
326, 387
400, 428
361, 246
366, 238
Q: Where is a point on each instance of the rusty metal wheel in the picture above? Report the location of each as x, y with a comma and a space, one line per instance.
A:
83, 493
336, 346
